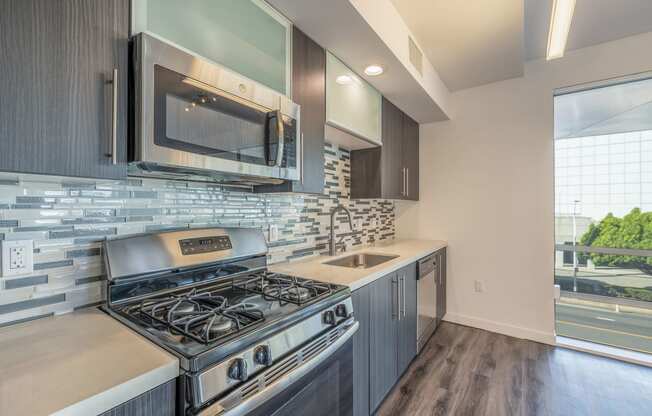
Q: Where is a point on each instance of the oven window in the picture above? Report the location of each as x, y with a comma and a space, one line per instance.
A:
195, 118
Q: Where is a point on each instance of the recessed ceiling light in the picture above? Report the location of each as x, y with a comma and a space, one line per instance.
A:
560, 21
343, 80
373, 70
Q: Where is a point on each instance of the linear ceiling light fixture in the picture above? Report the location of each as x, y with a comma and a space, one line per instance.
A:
560, 21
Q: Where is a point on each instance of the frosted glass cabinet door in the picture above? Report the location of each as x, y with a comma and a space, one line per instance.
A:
247, 36
352, 104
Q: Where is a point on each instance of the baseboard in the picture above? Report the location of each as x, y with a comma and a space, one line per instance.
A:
501, 328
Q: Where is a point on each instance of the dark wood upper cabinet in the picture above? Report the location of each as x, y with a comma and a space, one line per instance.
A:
57, 60
309, 91
410, 156
390, 171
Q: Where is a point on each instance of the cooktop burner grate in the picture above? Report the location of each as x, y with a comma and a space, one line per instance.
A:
285, 289
203, 316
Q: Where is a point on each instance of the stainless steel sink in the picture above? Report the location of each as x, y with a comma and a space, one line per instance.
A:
361, 261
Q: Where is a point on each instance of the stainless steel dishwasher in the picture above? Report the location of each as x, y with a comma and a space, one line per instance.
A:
426, 299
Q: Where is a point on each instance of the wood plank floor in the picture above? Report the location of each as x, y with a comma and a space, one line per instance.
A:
468, 371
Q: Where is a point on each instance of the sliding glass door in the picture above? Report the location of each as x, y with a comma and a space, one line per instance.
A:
603, 213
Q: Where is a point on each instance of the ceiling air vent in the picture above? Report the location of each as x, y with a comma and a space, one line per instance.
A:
416, 57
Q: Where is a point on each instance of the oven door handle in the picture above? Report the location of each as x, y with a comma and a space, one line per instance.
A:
221, 408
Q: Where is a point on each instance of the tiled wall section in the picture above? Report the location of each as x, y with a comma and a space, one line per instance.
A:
68, 219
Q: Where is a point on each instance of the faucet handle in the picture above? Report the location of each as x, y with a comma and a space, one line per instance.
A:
340, 243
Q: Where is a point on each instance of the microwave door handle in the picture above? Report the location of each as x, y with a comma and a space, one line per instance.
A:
281, 138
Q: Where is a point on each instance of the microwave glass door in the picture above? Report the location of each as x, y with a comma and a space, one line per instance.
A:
193, 117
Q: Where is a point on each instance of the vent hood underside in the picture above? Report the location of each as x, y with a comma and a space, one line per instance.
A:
154, 170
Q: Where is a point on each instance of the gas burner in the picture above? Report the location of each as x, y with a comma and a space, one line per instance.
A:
231, 323
299, 294
218, 325
184, 307
285, 289
203, 316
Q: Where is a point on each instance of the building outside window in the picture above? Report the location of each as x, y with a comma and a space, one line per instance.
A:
603, 212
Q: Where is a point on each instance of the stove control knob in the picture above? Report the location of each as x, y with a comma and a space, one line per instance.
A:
238, 369
329, 318
340, 311
263, 355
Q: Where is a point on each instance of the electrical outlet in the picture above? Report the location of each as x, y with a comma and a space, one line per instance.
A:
273, 233
478, 286
17, 257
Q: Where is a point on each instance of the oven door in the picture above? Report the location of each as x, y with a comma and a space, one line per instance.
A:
196, 115
321, 385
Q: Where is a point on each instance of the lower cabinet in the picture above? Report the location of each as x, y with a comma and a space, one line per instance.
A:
361, 302
159, 401
385, 343
407, 323
440, 281
383, 338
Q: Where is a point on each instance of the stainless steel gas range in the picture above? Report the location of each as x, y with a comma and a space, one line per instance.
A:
249, 342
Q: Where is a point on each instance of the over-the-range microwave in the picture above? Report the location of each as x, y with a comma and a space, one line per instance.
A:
197, 120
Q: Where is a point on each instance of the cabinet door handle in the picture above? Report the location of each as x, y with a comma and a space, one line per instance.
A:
114, 118
407, 182
395, 313
303, 154
404, 308
400, 306
439, 269
403, 190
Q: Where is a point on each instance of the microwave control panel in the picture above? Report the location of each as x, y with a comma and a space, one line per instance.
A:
205, 244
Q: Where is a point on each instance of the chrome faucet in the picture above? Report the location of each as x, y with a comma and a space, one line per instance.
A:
332, 250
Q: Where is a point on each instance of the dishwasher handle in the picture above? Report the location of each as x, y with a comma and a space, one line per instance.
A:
427, 265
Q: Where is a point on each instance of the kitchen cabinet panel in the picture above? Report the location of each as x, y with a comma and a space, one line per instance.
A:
407, 334
352, 104
249, 37
383, 332
309, 91
410, 155
57, 61
441, 284
387, 338
390, 171
392, 174
159, 401
361, 303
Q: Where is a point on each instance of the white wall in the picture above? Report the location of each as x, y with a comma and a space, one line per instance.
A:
486, 186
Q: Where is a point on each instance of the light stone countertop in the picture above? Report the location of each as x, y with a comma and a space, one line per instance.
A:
408, 251
82, 363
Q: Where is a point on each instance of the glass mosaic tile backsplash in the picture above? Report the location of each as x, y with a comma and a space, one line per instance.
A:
69, 218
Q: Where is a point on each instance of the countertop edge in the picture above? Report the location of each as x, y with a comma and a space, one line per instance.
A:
396, 266
407, 251
121, 393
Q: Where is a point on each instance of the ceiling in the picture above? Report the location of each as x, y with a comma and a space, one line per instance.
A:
338, 26
618, 108
469, 43
594, 22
